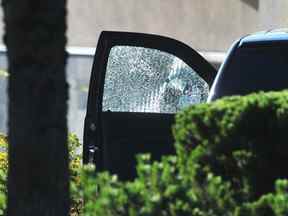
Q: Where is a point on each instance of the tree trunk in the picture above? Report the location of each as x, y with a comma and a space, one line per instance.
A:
38, 154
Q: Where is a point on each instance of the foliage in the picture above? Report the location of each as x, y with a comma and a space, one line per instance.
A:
75, 165
229, 155
271, 204
4, 73
3, 172
242, 139
161, 191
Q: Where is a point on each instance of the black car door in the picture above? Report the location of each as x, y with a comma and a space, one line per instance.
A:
138, 82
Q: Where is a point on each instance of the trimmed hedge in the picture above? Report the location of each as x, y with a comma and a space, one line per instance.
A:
242, 139
229, 155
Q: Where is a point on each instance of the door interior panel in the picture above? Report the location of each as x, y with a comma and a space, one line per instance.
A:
128, 134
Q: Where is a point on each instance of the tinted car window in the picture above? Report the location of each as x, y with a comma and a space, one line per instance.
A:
252, 70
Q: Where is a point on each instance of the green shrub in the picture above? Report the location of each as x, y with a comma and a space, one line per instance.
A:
242, 139
3, 172
271, 204
159, 190
229, 154
75, 165
162, 191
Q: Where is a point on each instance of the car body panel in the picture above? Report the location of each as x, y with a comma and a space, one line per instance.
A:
261, 57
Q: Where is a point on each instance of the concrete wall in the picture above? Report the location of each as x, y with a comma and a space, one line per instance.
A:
203, 24
209, 25
78, 74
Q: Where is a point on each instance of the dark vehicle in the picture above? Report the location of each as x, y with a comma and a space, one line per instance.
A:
257, 62
140, 81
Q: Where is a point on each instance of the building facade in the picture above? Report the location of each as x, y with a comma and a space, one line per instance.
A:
206, 25
202, 24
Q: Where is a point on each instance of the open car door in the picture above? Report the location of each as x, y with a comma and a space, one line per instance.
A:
138, 82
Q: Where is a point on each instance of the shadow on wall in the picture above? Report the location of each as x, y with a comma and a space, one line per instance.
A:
252, 3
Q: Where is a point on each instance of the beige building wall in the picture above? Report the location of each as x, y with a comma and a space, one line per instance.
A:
203, 24
207, 25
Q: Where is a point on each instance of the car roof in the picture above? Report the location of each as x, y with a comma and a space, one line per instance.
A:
277, 35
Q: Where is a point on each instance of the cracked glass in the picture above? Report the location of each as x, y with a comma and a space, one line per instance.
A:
148, 80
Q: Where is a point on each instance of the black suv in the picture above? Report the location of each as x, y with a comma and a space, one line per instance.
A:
139, 81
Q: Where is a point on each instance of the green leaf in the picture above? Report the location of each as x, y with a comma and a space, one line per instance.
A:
4, 73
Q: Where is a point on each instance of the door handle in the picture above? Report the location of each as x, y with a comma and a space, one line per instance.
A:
92, 153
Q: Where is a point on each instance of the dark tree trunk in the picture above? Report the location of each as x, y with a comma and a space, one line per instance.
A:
38, 156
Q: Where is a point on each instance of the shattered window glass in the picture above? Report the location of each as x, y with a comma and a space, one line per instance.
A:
148, 80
